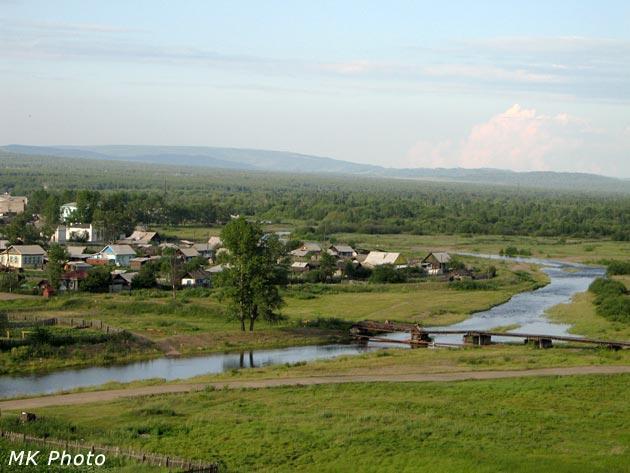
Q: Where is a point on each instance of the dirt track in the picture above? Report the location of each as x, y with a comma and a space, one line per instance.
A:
103, 396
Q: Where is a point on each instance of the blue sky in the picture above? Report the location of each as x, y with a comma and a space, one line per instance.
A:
515, 85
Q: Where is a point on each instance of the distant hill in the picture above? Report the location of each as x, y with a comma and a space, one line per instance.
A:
282, 161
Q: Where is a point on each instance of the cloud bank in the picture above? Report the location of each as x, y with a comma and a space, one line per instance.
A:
524, 140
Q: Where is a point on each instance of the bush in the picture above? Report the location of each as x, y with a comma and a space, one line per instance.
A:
471, 285
611, 299
387, 273
97, 280
330, 323
607, 287
618, 267
145, 279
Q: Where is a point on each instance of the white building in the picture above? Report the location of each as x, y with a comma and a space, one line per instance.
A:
66, 210
77, 232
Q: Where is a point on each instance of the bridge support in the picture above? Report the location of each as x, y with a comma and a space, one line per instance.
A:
476, 338
420, 339
539, 342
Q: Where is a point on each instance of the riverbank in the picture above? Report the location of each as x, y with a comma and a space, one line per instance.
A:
385, 362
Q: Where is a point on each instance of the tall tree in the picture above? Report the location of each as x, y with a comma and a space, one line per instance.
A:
251, 275
57, 257
173, 267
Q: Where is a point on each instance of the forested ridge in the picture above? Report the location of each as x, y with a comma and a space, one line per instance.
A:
121, 195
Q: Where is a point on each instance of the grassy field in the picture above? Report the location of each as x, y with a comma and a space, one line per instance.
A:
579, 250
567, 424
111, 465
580, 313
61, 347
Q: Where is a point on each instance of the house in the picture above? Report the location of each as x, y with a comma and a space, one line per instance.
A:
141, 237
300, 267
76, 252
436, 263
311, 247
197, 278
297, 253
4, 244
120, 255
137, 263
378, 258
307, 250
204, 250
78, 232
121, 281
188, 253
66, 210
12, 204
77, 266
71, 279
219, 268
23, 256
342, 251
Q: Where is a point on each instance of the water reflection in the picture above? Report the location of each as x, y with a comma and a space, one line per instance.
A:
170, 368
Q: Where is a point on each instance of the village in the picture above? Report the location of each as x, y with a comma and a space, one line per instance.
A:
195, 263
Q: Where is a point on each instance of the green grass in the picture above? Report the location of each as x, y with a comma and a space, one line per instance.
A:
117, 465
571, 249
430, 303
581, 314
72, 348
566, 424
443, 360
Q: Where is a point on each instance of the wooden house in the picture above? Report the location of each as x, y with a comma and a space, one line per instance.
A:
436, 262
23, 256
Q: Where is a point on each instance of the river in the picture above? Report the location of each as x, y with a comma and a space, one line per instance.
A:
525, 309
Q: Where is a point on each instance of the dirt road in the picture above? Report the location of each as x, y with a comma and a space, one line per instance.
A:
103, 396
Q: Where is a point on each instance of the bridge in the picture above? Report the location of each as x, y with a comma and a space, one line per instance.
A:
367, 331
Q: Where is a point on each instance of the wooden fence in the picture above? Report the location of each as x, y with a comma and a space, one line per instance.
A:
153, 459
22, 319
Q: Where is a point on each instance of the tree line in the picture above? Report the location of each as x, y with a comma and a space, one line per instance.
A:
122, 195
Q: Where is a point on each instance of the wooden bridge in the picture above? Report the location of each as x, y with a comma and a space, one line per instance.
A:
419, 336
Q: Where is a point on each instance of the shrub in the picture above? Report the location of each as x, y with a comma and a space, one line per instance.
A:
97, 280
611, 299
387, 273
618, 267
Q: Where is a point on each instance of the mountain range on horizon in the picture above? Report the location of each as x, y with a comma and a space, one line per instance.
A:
289, 162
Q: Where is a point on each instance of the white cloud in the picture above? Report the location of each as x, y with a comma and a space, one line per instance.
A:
520, 139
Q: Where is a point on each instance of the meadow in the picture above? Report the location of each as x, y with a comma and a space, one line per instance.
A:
561, 424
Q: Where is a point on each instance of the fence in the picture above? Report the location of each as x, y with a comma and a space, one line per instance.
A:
22, 319
153, 459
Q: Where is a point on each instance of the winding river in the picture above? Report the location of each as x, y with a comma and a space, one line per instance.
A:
525, 309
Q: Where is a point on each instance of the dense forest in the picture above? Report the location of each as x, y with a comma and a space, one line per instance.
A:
120, 195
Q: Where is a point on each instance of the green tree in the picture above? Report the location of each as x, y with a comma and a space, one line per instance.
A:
146, 277
57, 257
387, 273
21, 230
9, 281
252, 273
173, 268
97, 280
327, 266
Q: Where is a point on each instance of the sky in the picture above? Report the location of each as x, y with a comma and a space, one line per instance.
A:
536, 85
